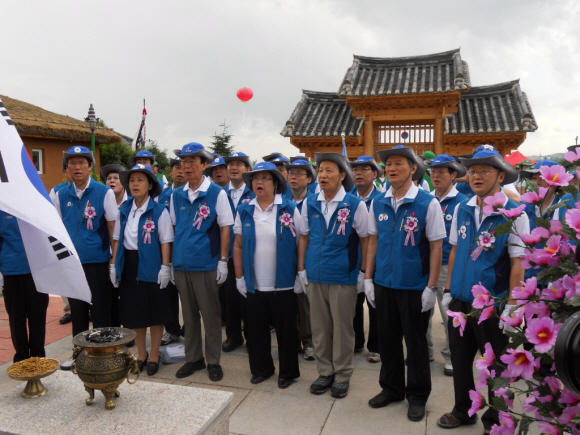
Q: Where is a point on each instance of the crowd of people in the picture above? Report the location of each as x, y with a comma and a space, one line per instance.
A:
295, 247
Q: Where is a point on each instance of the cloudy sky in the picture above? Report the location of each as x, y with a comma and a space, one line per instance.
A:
189, 58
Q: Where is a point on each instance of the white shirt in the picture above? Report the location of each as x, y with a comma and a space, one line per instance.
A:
522, 225
361, 214
225, 216
425, 185
265, 256
110, 202
434, 225
236, 194
133, 232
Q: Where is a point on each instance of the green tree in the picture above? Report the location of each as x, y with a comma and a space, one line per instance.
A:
118, 153
221, 142
160, 157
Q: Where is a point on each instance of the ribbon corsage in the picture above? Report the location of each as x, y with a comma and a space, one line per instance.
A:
287, 221
411, 225
148, 228
342, 218
203, 212
90, 214
486, 242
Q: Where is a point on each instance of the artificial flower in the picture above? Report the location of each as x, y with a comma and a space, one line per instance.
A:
555, 175
494, 203
477, 402
542, 332
520, 363
459, 320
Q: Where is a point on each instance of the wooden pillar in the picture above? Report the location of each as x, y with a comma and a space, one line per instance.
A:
439, 131
369, 143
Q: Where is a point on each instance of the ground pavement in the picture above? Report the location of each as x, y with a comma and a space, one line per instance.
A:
266, 409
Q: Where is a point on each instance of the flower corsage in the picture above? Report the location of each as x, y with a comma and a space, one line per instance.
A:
342, 218
148, 228
486, 242
411, 226
287, 221
90, 214
203, 212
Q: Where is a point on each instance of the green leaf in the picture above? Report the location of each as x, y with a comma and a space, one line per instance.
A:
524, 425
541, 222
576, 419
556, 206
516, 339
499, 403
500, 382
504, 228
575, 302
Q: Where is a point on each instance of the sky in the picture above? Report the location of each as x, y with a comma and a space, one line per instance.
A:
188, 59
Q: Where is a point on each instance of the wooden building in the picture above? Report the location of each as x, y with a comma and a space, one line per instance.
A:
426, 102
46, 135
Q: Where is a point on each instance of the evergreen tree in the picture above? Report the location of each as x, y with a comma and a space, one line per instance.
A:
221, 142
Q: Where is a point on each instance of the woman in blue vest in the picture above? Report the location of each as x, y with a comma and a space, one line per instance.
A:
265, 257
141, 262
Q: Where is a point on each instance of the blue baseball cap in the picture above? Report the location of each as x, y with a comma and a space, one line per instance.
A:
142, 154
269, 167
79, 151
485, 147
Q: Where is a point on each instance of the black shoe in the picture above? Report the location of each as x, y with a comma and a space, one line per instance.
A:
141, 364
67, 318
152, 368
320, 385
189, 368
257, 379
131, 343
215, 372
416, 412
284, 383
230, 344
382, 399
339, 389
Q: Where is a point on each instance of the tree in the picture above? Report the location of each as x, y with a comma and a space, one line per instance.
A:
221, 142
118, 153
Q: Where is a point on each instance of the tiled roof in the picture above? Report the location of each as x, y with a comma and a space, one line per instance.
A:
433, 73
322, 114
499, 108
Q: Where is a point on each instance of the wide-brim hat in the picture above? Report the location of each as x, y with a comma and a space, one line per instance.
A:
79, 151
368, 161
447, 161
342, 162
193, 149
142, 154
402, 150
175, 161
113, 168
529, 173
272, 156
241, 157
125, 175
302, 164
280, 161
217, 161
293, 159
495, 159
266, 167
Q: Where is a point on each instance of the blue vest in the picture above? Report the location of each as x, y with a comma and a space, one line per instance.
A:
375, 193
332, 258
60, 186
165, 197
492, 268
399, 266
465, 188
448, 205
288, 197
93, 246
193, 249
311, 188
286, 247
13, 259
570, 201
247, 196
149, 253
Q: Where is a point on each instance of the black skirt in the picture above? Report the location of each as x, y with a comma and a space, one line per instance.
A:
142, 304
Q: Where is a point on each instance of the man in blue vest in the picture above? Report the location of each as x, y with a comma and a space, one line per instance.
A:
334, 224
143, 157
218, 172
406, 231
238, 193
444, 171
88, 210
313, 186
202, 217
497, 267
366, 170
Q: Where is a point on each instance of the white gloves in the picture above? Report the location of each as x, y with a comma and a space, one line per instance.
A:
445, 301
370, 291
222, 271
241, 286
1, 280
303, 279
298, 287
360, 282
164, 276
507, 313
113, 275
428, 299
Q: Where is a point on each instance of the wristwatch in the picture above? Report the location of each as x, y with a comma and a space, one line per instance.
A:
433, 288
446, 290
224, 258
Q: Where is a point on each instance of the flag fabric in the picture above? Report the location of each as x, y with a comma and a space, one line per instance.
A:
53, 259
140, 138
344, 153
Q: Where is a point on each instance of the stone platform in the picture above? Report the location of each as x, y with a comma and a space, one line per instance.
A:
143, 408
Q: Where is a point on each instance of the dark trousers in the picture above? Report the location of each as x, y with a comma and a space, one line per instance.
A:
463, 352
24, 304
359, 326
115, 320
278, 308
97, 275
235, 305
399, 316
173, 327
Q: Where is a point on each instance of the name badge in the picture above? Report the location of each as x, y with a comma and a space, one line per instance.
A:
316, 216
383, 217
69, 204
182, 208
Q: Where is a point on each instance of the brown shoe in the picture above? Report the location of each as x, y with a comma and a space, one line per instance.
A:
449, 421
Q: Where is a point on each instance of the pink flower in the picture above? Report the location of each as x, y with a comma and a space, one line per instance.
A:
494, 203
529, 288
482, 378
556, 227
569, 413
553, 245
520, 363
571, 285
481, 296
459, 321
477, 402
514, 319
502, 392
548, 429
507, 425
485, 314
514, 212
487, 359
536, 235
486, 240
572, 156
542, 332
555, 175
528, 403
538, 309
568, 397
573, 219
531, 198
555, 291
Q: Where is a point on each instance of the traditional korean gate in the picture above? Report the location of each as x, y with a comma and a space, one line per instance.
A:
419, 135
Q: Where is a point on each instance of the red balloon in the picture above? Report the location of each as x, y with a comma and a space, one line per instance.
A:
245, 94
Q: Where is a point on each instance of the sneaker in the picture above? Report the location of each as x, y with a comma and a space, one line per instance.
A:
168, 339
320, 385
67, 364
374, 357
339, 389
448, 367
309, 353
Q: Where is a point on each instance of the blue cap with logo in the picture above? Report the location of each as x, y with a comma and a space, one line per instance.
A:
79, 151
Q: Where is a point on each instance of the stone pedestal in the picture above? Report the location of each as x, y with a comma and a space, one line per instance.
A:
143, 408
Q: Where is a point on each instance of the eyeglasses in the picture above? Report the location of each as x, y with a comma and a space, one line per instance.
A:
112, 177
361, 169
297, 173
262, 178
77, 163
189, 162
440, 171
482, 172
